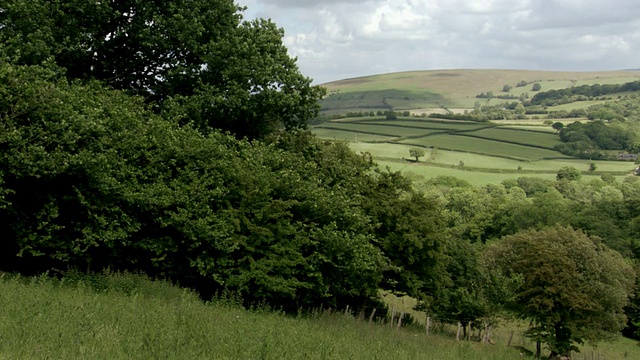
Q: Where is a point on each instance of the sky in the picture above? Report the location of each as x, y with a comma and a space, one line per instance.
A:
339, 39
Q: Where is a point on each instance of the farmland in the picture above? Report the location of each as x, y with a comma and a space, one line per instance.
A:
498, 149
478, 152
450, 88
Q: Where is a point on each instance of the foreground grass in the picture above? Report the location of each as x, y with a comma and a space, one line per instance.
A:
42, 320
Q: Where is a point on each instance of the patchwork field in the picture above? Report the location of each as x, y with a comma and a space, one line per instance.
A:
477, 152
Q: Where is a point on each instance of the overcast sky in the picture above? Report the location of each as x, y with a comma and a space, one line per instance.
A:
337, 39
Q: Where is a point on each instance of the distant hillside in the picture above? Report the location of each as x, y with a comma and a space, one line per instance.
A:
452, 89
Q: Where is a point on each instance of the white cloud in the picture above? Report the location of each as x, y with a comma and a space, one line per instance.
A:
336, 39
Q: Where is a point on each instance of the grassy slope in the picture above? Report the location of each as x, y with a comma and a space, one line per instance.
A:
149, 320
453, 88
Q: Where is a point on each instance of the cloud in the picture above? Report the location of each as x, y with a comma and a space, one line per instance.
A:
336, 39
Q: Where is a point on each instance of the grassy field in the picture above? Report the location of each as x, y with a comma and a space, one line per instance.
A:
490, 152
520, 136
452, 88
134, 318
484, 147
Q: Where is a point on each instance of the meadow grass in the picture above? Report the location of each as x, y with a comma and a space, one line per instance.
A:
484, 146
348, 135
379, 129
396, 152
433, 124
457, 88
539, 128
473, 176
521, 136
44, 320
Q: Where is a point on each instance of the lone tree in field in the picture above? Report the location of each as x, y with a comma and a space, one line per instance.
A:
573, 288
506, 88
536, 87
417, 153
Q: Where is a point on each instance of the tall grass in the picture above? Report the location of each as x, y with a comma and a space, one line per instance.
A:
130, 317
41, 319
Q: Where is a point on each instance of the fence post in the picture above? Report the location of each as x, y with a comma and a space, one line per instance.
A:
428, 324
393, 314
458, 332
371, 316
400, 320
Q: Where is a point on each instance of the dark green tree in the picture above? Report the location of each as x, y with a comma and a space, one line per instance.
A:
557, 126
574, 287
536, 87
92, 179
194, 59
568, 173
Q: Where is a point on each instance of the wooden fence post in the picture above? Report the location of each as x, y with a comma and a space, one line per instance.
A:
400, 321
371, 316
393, 315
428, 324
458, 332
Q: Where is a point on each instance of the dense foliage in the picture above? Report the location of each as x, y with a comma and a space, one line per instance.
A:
194, 59
592, 139
574, 288
557, 97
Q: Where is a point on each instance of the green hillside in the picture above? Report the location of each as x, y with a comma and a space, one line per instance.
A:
425, 90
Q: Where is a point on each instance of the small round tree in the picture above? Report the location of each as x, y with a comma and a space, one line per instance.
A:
568, 173
557, 126
416, 153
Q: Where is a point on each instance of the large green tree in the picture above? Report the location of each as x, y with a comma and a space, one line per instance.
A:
193, 58
574, 287
91, 178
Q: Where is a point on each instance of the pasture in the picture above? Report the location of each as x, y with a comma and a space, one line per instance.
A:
488, 152
451, 88
131, 317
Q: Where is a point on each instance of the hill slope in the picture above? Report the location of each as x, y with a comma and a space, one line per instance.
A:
417, 90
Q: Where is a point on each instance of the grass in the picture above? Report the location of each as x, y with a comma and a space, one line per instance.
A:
471, 175
484, 147
521, 136
378, 129
44, 320
348, 135
453, 88
432, 124
131, 317
490, 152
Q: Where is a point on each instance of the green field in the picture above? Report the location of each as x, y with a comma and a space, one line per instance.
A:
379, 129
432, 124
129, 317
520, 136
484, 147
490, 153
451, 88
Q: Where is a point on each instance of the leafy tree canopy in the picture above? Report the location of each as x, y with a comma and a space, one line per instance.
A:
194, 59
574, 287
